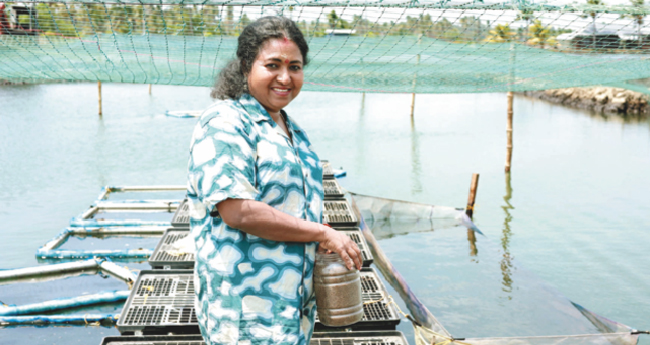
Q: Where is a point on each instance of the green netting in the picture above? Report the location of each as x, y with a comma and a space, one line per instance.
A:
370, 46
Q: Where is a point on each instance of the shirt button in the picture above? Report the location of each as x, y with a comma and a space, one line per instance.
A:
300, 289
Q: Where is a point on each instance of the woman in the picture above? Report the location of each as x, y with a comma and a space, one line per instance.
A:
255, 187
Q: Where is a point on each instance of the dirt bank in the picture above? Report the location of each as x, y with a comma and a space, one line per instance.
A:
607, 100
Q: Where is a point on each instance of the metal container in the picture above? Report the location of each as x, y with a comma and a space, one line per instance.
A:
338, 291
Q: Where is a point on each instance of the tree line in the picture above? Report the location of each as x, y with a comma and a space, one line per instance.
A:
84, 19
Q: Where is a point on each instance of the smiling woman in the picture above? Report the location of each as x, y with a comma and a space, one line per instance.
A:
255, 190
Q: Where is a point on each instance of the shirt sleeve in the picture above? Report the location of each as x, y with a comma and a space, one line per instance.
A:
222, 160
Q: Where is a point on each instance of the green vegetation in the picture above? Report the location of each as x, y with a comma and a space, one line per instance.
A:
89, 19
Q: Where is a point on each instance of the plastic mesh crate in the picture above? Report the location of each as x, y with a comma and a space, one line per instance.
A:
377, 313
318, 338
357, 237
328, 171
338, 213
163, 301
160, 302
165, 257
332, 189
181, 218
359, 338
155, 340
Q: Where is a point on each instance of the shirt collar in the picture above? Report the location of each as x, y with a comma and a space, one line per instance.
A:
255, 110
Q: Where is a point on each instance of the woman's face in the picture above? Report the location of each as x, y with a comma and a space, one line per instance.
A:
276, 75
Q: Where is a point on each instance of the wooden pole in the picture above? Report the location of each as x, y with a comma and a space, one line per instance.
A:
415, 80
99, 90
509, 133
469, 211
471, 198
150, 89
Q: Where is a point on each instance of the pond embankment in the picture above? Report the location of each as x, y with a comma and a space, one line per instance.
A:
607, 100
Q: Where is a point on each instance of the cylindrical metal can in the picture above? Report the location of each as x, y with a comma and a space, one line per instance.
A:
338, 291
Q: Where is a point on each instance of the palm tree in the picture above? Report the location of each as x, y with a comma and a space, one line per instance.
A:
527, 15
500, 34
332, 18
540, 35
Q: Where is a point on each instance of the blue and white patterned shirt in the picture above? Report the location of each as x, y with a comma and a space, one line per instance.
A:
251, 290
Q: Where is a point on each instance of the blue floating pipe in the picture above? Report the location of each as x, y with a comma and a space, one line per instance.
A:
85, 254
58, 319
65, 303
57, 241
80, 222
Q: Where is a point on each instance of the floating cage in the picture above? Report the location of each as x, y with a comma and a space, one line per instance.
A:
181, 218
325, 338
378, 314
165, 256
338, 213
155, 340
160, 302
359, 338
332, 189
328, 171
356, 236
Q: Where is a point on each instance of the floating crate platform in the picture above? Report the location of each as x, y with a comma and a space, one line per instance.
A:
332, 190
181, 218
161, 301
377, 313
359, 338
338, 213
165, 257
324, 338
357, 237
328, 171
155, 340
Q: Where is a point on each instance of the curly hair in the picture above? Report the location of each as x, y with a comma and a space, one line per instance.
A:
232, 80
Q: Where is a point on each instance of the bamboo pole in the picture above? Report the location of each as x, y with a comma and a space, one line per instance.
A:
509, 133
469, 211
415, 80
471, 198
99, 90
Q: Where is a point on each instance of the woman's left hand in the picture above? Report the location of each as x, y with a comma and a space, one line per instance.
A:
340, 243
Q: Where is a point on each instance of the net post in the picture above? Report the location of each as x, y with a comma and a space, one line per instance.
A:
99, 93
509, 132
150, 89
469, 211
415, 79
471, 197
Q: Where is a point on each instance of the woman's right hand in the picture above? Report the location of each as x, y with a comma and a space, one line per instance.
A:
340, 243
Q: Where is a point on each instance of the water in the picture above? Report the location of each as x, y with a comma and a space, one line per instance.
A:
573, 211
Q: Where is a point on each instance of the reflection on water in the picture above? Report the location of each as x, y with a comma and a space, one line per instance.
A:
416, 186
471, 240
506, 262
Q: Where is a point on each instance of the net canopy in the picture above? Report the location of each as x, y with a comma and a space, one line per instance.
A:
420, 46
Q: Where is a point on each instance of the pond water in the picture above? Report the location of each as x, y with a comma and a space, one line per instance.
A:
573, 212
